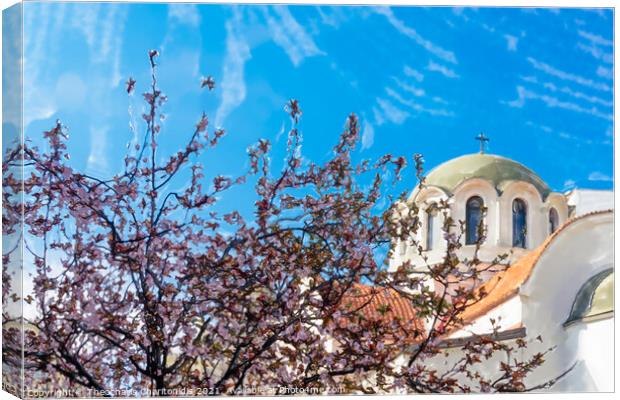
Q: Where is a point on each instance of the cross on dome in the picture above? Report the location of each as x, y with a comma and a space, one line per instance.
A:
482, 139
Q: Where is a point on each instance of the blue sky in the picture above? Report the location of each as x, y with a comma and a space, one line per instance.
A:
538, 82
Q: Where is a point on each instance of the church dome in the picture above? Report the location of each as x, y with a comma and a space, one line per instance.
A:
594, 299
498, 170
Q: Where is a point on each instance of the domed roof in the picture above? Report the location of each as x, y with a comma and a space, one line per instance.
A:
594, 299
495, 169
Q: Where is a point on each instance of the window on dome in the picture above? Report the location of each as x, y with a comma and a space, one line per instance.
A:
519, 223
473, 218
553, 220
431, 214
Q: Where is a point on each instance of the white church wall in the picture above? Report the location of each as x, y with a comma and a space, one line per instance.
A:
486, 191
583, 249
423, 198
428, 197
595, 355
498, 220
488, 368
506, 316
495, 219
557, 201
593, 370
587, 200
536, 221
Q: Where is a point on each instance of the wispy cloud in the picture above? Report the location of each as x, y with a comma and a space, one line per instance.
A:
368, 135
290, 35
387, 111
601, 12
186, 14
511, 42
100, 26
574, 138
548, 69
180, 16
334, 17
413, 73
408, 31
280, 132
97, 158
543, 128
110, 35
397, 107
414, 106
596, 52
562, 134
595, 39
70, 91
11, 83
568, 91
48, 92
233, 81
113, 40
606, 73
599, 176
445, 71
569, 184
85, 20
529, 10
395, 95
440, 100
461, 12
409, 88
487, 27
42, 29
554, 102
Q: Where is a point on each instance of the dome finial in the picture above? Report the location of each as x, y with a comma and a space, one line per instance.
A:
482, 139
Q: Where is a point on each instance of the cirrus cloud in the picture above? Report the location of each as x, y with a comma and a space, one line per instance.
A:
599, 176
233, 81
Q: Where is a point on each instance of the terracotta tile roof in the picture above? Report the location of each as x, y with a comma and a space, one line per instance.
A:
506, 284
379, 303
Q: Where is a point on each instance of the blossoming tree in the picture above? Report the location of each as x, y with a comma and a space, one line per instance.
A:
137, 287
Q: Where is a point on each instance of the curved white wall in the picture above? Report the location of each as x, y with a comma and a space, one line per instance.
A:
581, 250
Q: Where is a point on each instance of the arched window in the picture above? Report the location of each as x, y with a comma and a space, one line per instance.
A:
473, 218
431, 214
519, 223
554, 220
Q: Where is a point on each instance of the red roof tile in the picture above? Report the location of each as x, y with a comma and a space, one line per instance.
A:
379, 303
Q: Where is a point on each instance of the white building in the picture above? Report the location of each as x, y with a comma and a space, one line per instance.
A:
560, 284
583, 201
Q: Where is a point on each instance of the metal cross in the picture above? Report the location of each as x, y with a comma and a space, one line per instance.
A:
482, 139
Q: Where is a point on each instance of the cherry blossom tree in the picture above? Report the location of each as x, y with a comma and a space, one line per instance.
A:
139, 287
